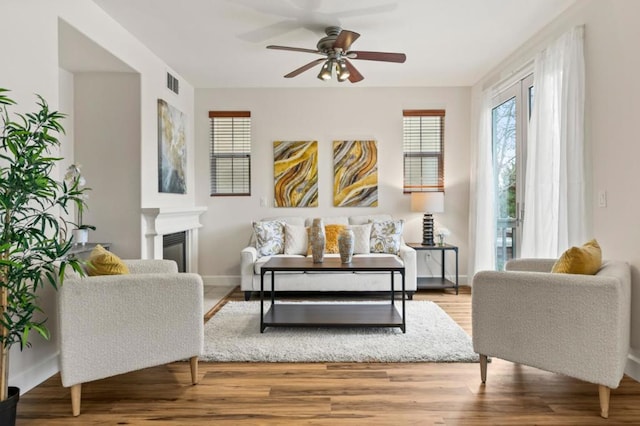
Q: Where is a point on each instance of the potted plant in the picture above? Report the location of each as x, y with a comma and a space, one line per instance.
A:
33, 231
81, 232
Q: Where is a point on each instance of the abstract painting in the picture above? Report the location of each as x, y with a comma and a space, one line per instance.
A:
295, 171
355, 169
172, 149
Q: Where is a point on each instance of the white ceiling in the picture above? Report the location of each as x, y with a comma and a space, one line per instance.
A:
221, 43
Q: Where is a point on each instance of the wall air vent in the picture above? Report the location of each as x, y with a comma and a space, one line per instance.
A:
172, 84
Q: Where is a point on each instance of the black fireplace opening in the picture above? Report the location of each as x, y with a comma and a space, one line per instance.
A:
174, 247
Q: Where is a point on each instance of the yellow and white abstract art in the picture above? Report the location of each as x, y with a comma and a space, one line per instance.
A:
172, 149
355, 169
295, 171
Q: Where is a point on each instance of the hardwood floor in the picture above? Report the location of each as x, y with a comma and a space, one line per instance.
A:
337, 394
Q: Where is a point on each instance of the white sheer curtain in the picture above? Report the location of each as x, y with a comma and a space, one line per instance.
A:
482, 223
555, 209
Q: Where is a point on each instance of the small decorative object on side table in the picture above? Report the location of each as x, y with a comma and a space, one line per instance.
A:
442, 281
82, 251
72, 177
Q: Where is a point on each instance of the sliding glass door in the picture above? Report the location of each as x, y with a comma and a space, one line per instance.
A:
510, 120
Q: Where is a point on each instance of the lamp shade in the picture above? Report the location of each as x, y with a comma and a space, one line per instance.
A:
427, 202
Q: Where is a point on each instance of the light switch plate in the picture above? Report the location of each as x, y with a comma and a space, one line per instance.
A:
602, 198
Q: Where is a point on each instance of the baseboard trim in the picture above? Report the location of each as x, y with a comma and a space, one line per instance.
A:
632, 369
29, 379
221, 280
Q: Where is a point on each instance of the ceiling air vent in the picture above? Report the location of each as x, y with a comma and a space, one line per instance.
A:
172, 83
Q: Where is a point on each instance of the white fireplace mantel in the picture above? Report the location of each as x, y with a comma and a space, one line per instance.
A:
160, 221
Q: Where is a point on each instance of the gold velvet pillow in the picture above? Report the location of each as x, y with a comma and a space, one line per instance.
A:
103, 262
331, 233
580, 260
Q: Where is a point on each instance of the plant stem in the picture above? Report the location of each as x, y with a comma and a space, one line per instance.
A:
4, 300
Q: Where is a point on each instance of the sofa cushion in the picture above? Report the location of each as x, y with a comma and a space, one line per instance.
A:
331, 220
269, 237
586, 260
386, 236
296, 239
361, 238
368, 218
292, 220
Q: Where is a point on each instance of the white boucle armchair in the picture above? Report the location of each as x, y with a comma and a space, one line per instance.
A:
577, 325
115, 324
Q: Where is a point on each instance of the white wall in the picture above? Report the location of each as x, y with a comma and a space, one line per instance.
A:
107, 145
325, 115
612, 60
30, 64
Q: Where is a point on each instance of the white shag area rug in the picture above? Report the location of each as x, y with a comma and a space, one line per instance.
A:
233, 335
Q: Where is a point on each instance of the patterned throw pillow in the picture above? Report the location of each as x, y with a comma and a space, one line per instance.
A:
386, 236
361, 236
269, 237
295, 239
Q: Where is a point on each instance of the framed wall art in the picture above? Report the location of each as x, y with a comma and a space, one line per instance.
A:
295, 171
355, 170
172, 149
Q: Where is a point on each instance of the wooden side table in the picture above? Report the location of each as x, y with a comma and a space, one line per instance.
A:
442, 281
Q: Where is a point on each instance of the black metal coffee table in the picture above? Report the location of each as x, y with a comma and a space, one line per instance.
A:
333, 314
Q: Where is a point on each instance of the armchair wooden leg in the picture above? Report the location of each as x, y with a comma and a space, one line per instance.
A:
483, 368
75, 398
605, 393
194, 369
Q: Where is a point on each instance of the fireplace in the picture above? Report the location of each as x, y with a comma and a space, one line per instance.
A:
161, 225
174, 247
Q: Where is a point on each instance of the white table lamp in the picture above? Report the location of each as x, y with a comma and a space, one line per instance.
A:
428, 203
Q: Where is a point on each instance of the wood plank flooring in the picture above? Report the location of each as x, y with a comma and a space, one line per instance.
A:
336, 393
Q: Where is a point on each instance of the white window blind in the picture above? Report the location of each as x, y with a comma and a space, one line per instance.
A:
423, 148
230, 152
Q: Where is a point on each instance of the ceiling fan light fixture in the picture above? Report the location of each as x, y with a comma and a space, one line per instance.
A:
342, 71
335, 49
325, 71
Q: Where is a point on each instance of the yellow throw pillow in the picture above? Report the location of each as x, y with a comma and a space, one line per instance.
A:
103, 262
331, 233
580, 260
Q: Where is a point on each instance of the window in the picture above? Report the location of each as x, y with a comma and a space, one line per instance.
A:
423, 147
510, 122
230, 152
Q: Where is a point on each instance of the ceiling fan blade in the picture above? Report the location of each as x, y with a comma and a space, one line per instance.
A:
354, 74
344, 40
294, 49
304, 68
377, 56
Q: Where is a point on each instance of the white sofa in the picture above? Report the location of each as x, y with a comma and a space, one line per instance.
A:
251, 263
572, 324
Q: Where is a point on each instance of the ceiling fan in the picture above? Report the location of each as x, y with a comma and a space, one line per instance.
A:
335, 49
